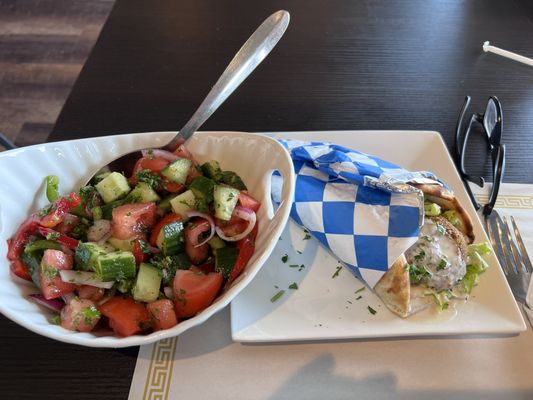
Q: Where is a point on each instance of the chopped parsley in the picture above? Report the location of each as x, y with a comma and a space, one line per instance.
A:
441, 229
371, 310
294, 286
443, 264
149, 177
285, 258
277, 296
52, 235
307, 236
417, 273
46, 210
420, 256
90, 314
358, 297
298, 251
337, 271
359, 290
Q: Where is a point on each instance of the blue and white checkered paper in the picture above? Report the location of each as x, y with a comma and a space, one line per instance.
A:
356, 205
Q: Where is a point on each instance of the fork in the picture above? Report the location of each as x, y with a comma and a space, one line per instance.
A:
511, 252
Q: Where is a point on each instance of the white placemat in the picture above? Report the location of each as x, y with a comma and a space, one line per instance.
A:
204, 363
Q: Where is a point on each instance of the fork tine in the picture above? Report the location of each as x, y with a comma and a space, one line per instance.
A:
515, 251
496, 244
505, 244
523, 251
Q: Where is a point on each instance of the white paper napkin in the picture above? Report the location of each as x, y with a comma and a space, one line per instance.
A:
516, 200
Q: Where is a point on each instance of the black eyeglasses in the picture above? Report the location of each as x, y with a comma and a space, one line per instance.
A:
492, 124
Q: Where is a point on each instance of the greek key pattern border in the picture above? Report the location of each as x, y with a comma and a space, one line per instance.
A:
160, 371
508, 201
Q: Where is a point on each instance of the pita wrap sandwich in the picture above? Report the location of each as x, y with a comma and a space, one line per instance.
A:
438, 267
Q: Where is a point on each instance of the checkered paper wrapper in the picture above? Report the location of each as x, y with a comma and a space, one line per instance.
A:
358, 206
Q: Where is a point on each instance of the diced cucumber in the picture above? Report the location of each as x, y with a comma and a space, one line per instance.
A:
232, 179
212, 170
183, 202
225, 201
101, 176
170, 238
178, 170
97, 213
115, 266
144, 192
86, 255
225, 259
165, 203
113, 187
147, 284
216, 243
202, 188
121, 244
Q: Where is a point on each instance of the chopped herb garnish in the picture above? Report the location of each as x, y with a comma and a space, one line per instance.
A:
298, 251
301, 267
293, 265
337, 271
420, 255
46, 210
443, 264
417, 273
358, 297
426, 237
441, 229
285, 258
307, 236
359, 290
52, 235
293, 285
56, 320
150, 178
349, 301
277, 296
371, 310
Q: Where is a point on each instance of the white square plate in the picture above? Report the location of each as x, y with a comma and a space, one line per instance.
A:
324, 307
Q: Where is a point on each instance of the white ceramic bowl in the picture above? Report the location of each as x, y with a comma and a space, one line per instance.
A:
254, 157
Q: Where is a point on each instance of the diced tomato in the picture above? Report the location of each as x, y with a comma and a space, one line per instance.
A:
248, 201
90, 293
173, 187
65, 240
137, 251
130, 220
193, 232
21, 270
80, 315
194, 291
60, 207
162, 314
234, 229
167, 219
154, 164
51, 284
205, 268
126, 316
68, 224
246, 248
21, 238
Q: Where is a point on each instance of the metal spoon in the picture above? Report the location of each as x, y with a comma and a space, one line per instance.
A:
250, 55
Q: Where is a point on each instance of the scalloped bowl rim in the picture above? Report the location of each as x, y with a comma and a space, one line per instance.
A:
143, 140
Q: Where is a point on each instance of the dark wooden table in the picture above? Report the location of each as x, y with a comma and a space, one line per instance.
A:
341, 65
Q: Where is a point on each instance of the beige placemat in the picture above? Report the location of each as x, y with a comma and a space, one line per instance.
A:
204, 363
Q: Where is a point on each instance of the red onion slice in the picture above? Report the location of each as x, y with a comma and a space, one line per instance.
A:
167, 155
84, 278
243, 213
100, 230
168, 292
209, 219
53, 304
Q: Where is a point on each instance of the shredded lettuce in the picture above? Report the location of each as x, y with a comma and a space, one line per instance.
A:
476, 265
451, 215
431, 209
442, 298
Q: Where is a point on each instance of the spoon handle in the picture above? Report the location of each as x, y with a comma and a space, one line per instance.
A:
250, 55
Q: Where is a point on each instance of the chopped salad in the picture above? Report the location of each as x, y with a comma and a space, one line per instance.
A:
138, 253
